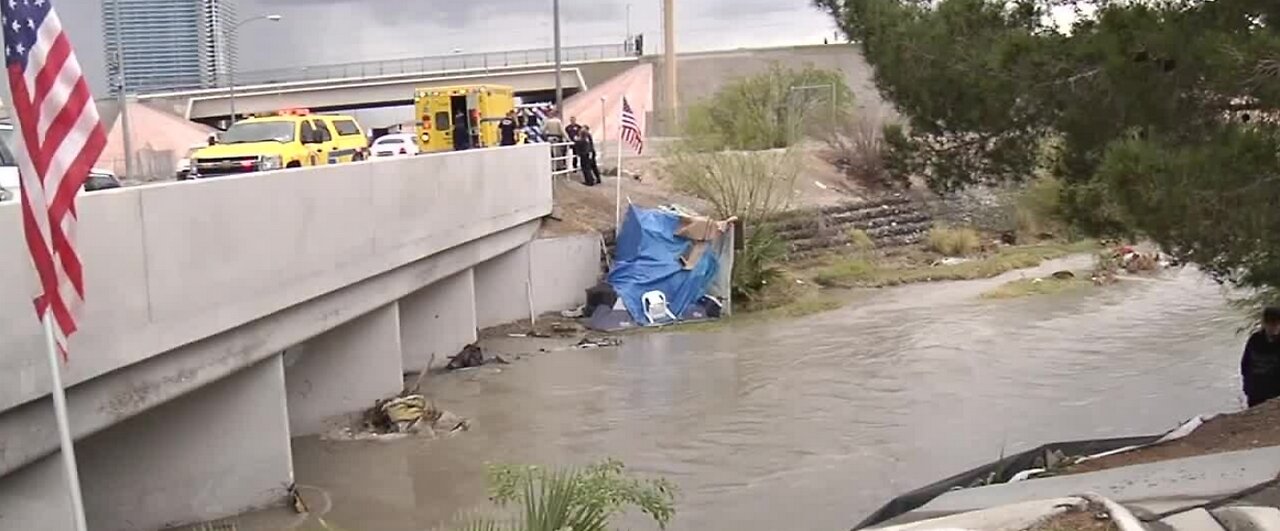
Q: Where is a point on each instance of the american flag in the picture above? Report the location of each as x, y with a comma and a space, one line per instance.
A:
631, 133
59, 137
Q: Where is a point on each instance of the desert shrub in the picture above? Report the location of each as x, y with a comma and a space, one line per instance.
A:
1038, 210
861, 241
857, 147
756, 265
950, 241
767, 110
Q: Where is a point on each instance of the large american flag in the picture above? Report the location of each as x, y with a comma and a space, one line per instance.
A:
59, 138
631, 133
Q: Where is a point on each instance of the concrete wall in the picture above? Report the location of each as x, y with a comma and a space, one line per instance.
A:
497, 280
213, 274
437, 321
343, 371
36, 497
563, 269
208, 455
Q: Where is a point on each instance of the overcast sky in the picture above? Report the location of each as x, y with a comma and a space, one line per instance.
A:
315, 32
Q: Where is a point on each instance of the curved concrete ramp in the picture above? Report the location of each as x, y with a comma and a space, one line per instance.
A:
603, 116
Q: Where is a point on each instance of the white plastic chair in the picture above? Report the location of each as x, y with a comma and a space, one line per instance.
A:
655, 306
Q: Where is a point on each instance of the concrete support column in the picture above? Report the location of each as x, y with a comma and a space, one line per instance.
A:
216, 452
344, 370
437, 321
501, 288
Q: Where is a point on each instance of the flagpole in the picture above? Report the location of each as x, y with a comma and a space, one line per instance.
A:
617, 191
64, 427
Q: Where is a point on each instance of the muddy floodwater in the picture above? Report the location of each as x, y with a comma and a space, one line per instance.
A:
811, 424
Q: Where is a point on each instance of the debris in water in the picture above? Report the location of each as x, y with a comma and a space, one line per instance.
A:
471, 356
400, 417
575, 313
598, 342
405, 413
1064, 275
566, 328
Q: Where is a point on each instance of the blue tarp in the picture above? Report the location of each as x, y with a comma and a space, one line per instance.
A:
647, 258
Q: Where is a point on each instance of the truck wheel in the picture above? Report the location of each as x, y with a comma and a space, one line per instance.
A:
294, 164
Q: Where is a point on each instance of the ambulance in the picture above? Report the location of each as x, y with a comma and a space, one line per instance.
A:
482, 106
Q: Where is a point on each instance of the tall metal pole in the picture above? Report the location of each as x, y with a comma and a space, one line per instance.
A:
669, 36
229, 48
122, 97
555, 12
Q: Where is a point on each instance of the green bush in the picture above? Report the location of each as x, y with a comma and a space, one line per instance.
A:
756, 265
953, 241
1038, 210
764, 112
573, 499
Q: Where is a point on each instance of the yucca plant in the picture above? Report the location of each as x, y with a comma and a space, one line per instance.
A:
573, 499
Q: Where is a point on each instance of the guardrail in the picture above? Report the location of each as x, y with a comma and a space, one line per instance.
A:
432, 64
562, 159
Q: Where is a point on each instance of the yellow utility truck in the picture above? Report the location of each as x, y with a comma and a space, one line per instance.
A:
481, 107
285, 139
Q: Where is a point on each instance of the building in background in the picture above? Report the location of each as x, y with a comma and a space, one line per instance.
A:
168, 44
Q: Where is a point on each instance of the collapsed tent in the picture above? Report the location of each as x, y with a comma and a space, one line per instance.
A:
669, 265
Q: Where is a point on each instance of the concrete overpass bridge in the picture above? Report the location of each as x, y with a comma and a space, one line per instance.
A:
388, 83
225, 316
385, 83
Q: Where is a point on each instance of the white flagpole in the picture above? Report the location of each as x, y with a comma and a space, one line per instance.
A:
64, 427
617, 193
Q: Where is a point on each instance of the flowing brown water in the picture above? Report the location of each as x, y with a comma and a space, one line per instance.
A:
813, 423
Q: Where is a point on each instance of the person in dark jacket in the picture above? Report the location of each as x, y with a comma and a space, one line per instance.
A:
507, 129
1260, 366
585, 148
461, 132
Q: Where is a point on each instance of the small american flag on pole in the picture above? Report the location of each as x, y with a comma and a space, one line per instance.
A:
58, 140
631, 133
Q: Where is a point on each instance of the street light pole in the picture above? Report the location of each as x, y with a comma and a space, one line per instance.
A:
121, 94
231, 59
669, 62
555, 13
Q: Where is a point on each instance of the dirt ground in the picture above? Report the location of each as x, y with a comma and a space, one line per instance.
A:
1258, 427
580, 208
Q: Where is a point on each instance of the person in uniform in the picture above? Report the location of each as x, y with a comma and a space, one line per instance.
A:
507, 129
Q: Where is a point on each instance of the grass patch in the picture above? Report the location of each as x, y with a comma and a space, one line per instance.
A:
1029, 287
861, 271
860, 241
787, 299
949, 241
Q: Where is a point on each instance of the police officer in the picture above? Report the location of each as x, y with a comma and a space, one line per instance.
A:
507, 129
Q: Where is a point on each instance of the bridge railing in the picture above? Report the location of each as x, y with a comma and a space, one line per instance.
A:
432, 64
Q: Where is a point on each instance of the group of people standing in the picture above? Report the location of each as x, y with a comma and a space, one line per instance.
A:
584, 145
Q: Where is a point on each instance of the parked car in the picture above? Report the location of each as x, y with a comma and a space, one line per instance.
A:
184, 164
395, 145
99, 179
